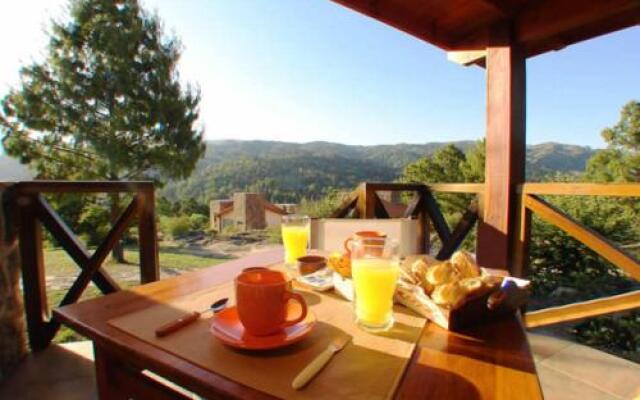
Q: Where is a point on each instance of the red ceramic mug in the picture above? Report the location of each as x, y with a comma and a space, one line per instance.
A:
262, 297
369, 237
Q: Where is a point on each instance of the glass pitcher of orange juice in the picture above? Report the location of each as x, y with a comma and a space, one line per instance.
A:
295, 237
375, 267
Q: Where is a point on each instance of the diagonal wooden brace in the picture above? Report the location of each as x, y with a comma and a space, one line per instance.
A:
76, 250
101, 253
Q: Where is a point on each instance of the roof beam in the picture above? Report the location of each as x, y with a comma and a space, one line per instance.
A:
552, 17
405, 19
548, 25
504, 7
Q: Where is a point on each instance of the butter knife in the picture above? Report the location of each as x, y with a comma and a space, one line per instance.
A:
312, 369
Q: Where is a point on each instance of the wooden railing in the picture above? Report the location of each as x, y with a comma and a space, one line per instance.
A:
532, 203
29, 210
364, 202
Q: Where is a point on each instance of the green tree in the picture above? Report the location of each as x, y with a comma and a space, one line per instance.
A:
106, 103
442, 166
620, 161
473, 166
448, 165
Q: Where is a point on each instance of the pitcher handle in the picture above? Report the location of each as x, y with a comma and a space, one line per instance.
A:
346, 245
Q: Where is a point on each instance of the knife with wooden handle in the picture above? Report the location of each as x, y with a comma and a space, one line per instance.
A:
312, 369
177, 324
188, 319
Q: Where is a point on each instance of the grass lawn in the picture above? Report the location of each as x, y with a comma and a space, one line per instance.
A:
61, 271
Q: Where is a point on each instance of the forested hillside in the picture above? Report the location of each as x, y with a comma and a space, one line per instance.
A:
289, 171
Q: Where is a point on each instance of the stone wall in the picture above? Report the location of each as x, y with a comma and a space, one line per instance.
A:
12, 327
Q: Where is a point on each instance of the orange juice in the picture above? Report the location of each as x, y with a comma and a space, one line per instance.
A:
374, 282
295, 239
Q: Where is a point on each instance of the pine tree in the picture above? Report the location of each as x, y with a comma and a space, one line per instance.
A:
106, 103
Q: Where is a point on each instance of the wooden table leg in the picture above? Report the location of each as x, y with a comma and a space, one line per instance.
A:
106, 366
117, 380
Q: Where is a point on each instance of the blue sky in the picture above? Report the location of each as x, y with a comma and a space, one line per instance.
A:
304, 70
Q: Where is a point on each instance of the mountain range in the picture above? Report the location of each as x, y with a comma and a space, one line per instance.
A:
288, 171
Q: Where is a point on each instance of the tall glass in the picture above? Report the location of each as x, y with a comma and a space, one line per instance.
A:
295, 237
375, 266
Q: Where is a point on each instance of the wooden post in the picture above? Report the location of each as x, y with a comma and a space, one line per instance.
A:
147, 236
520, 257
13, 345
505, 146
33, 279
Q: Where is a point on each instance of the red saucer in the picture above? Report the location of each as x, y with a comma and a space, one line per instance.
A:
227, 327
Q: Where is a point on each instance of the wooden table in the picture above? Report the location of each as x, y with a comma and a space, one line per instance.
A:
490, 362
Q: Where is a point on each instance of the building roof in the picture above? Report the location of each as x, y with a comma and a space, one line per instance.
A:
538, 25
227, 207
274, 208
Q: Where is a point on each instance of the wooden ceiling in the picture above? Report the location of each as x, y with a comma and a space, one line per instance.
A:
538, 25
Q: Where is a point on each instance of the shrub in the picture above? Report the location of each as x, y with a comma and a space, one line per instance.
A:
176, 226
198, 222
324, 207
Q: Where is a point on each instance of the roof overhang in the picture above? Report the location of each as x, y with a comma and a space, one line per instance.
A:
538, 26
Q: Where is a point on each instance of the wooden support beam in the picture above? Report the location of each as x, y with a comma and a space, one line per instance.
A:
101, 253
414, 206
582, 189
505, 147
117, 380
587, 236
51, 186
34, 285
404, 18
457, 187
460, 232
347, 204
76, 250
544, 19
467, 58
437, 219
379, 211
147, 236
504, 7
520, 259
582, 310
394, 186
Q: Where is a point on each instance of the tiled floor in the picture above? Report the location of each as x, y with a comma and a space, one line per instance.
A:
571, 371
567, 371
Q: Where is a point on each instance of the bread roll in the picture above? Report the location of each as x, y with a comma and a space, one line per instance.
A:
463, 261
472, 285
341, 263
419, 270
448, 294
442, 273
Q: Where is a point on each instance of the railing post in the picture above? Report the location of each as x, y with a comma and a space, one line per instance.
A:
147, 236
424, 231
33, 278
520, 255
11, 307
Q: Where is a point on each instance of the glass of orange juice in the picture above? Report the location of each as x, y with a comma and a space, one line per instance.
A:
295, 237
375, 266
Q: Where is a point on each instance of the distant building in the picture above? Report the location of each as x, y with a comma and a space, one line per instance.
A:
247, 211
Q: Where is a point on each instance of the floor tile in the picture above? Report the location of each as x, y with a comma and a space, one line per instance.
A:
609, 373
558, 386
55, 373
544, 346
